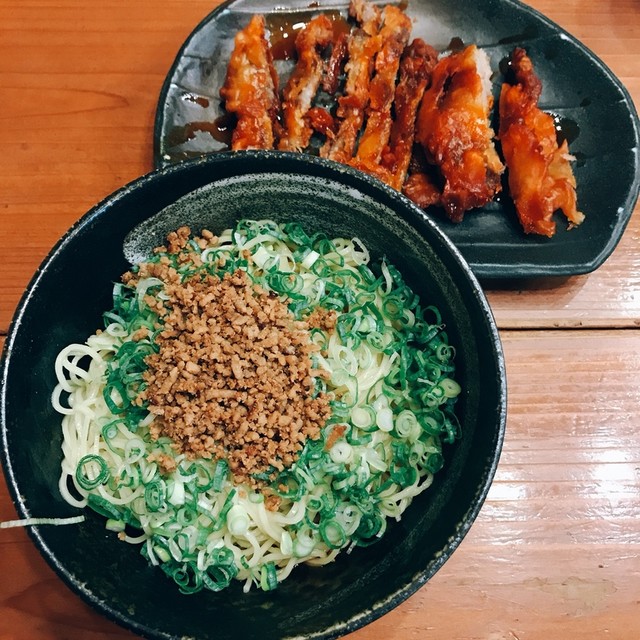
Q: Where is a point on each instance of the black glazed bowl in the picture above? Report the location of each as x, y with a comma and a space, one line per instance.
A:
64, 303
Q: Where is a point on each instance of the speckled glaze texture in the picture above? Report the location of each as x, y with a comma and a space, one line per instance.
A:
64, 303
592, 107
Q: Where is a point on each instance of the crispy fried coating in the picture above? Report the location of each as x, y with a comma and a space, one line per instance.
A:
416, 66
540, 177
304, 82
454, 131
362, 47
421, 188
418, 123
333, 66
250, 90
394, 35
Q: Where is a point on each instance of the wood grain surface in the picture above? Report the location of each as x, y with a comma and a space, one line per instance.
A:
555, 552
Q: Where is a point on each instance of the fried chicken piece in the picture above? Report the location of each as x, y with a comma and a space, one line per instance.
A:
304, 82
454, 131
367, 14
250, 90
352, 104
416, 66
394, 35
422, 189
541, 180
362, 46
321, 121
331, 76
422, 185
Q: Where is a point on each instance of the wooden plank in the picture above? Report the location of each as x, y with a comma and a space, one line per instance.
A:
555, 551
80, 85
608, 297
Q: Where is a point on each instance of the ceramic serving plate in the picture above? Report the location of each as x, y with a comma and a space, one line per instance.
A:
592, 109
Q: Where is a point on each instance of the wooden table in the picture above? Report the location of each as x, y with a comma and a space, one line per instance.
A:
555, 552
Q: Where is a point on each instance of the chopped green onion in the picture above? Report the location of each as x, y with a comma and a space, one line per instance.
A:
237, 520
407, 425
155, 495
384, 419
288, 484
91, 472
363, 417
333, 534
450, 387
341, 452
220, 474
218, 576
286, 543
268, 577
304, 543
103, 507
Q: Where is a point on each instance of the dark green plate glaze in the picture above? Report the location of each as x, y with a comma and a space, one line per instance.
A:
594, 111
64, 303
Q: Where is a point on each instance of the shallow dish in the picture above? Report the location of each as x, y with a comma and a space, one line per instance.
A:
592, 107
64, 303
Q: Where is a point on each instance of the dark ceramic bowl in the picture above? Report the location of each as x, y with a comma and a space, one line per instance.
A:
64, 303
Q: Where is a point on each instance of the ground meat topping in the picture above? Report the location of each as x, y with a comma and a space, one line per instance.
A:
233, 377
322, 319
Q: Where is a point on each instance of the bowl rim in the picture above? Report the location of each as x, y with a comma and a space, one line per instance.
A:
418, 219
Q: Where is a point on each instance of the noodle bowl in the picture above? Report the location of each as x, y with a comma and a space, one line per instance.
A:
69, 296
385, 365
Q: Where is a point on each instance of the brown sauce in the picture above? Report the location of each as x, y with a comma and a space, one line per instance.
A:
201, 101
221, 130
284, 28
455, 45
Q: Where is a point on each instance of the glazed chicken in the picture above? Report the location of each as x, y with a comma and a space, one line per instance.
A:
333, 66
362, 47
394, 35
390, 161
304, 82
454, 131
418, 123
250, 90
540, 177
422, 187
416, 67
319, 118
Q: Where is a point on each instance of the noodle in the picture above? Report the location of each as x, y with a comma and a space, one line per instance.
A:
384, 364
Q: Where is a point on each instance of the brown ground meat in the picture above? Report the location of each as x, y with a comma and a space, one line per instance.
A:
233, 376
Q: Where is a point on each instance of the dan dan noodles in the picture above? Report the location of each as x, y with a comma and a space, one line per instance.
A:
256, 400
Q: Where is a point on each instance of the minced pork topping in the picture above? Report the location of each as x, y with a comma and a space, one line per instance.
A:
233, 377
